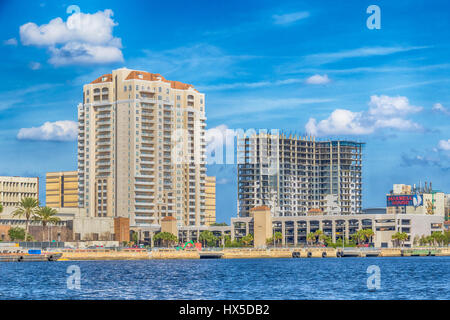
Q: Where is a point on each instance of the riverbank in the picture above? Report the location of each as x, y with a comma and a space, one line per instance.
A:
244, 253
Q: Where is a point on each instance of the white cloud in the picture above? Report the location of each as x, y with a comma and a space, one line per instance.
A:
340, 121
437, 107
83, 39
384, 113
391, 106
10, 42
34, 65
197, 63
321, 58
251, 85
244, 107
82, 53
444, 145
64, 130
289, 17
318, 79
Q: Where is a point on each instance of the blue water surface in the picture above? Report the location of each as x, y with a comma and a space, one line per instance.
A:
315, 278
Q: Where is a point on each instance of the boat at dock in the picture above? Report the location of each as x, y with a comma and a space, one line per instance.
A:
17, 254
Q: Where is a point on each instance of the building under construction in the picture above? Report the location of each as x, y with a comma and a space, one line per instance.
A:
297, 176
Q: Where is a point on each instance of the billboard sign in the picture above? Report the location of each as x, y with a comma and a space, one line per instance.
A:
403, 200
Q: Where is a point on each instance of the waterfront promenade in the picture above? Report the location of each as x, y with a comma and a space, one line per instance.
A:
242, 253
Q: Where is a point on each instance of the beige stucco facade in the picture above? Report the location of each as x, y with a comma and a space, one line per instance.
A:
210, 201
141, 149
14, 189
61, 189
295, 229
262, 225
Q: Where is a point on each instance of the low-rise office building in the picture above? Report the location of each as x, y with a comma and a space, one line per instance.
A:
74, 225
61, 189
294, 230
14, 189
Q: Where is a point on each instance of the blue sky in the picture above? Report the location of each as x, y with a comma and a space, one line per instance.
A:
303, 66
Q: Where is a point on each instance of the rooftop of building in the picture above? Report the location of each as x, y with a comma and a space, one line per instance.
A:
168, 218
260, 208
147, 76
301, 137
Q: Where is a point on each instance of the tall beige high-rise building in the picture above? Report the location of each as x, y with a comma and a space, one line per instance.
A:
141, 149
61, 189
14, 189
210, 202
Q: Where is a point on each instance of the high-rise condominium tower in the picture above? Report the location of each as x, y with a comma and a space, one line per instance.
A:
141, 149
295, 175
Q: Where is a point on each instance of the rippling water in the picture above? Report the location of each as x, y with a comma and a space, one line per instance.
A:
401, 278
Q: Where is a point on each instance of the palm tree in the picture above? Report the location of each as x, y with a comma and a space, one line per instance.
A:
27, 208
207, 237
166, 237
310, 238
277, 236
400, 237
247, 240
369, 234
46, 215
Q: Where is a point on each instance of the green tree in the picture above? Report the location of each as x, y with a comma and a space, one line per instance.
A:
438, 238
368, 235
207, 237
1, 208
27, 209
135, 237
16, 233
400, 237
46, 215
447, 237
247, 240
221, 224
326, 240
232, 243
166, 238
311, 238
277, 237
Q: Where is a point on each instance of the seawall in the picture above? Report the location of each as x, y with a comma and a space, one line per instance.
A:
241, 253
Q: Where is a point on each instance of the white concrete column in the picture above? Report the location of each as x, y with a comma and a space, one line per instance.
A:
295, 233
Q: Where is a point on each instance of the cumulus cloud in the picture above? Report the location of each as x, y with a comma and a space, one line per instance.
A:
10, 42
437, 107
318, 79
391, 106
83, 39
384, 113
444, 145
289, 18
64, 130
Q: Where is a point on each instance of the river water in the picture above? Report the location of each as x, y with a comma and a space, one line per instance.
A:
315, 278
